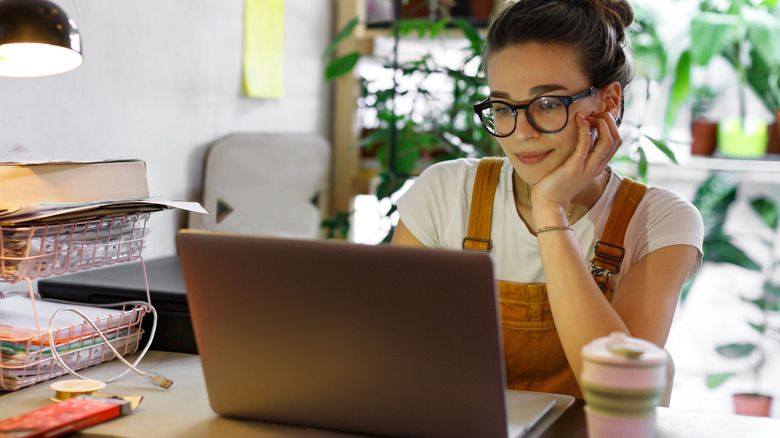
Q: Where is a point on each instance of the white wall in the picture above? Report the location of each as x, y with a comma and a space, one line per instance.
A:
161, 80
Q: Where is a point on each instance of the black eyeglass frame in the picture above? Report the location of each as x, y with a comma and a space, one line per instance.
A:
565, 100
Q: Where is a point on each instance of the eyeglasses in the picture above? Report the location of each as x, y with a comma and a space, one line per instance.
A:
547, 114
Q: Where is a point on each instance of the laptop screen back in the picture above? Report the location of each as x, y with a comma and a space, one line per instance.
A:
370, 339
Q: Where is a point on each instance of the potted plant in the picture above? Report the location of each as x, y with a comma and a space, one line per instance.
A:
746, 34
763, 75
714, 199
704, 129
763, 72
755, 402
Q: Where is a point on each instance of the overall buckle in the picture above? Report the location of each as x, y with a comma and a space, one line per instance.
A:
487, 242
608, 258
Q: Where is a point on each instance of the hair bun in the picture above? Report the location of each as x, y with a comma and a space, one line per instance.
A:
618, 12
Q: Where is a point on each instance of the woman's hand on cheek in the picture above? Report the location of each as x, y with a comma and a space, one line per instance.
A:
584, 165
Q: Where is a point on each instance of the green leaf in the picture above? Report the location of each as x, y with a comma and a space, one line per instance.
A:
723, 251
684, 292
679, 91
763, 31
642, 164
709, 33
389, 238
757, 302
388, 185
420, 25
407, 154
736, 350
341, 65
758, 328
772, 292
764, 79
713, 200
337, 226
438, 27
767, 210
770, 301
372, 139
662, 146
650, 54
715, 380
345, 32
471, 34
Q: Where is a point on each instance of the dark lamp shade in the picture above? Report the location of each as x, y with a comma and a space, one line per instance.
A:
37, 39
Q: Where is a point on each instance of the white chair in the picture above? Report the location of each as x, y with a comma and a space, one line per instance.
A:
265, 184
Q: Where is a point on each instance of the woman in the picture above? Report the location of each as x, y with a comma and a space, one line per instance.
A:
557, 72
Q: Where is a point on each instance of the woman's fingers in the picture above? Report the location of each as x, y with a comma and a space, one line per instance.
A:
586, 137
608, 140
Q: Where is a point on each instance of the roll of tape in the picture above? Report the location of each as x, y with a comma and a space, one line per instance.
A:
66, 389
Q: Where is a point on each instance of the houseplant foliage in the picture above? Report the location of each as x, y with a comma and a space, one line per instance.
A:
715, 197
434, 126
746, 33
652, 58
441, 125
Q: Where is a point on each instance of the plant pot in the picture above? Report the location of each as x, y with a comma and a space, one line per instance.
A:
705, 137
474, 10
482, 9
416, 9
757, 405
773, 146
742, 139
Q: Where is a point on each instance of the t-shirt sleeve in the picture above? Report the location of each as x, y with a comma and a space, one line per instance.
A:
435, 196
670, 220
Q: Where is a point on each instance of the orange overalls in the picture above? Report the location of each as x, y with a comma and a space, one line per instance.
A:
533, 353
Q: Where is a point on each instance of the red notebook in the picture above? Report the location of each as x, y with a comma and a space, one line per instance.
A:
62, 418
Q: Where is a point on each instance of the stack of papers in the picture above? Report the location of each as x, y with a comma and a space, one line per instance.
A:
17, 320
45, 213
26, 352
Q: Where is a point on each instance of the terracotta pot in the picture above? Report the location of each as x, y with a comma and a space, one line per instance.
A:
416, 9
481, 9
368, 151
757, 405
705, 137
477, 9
773, 145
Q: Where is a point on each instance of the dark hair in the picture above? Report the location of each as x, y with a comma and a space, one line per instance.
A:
594, 28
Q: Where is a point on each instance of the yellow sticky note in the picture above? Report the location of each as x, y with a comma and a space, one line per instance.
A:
264, 48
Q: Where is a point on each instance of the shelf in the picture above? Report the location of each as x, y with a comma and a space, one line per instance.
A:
769, 163
696, 168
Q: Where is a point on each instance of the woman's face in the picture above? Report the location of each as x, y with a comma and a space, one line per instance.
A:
520, 73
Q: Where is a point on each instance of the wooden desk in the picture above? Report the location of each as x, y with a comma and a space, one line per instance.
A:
183, 410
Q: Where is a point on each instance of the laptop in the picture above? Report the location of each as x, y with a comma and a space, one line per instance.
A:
375, 340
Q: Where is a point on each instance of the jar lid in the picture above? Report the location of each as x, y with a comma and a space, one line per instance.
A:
65, 389
619, 348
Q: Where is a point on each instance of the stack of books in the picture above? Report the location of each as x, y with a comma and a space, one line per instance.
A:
34, 193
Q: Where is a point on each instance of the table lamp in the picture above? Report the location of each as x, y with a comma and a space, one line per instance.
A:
37, 39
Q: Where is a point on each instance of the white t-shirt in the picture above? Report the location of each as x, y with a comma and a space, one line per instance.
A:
436, 209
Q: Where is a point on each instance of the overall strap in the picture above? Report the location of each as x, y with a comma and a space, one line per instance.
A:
609, 249
481, 214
